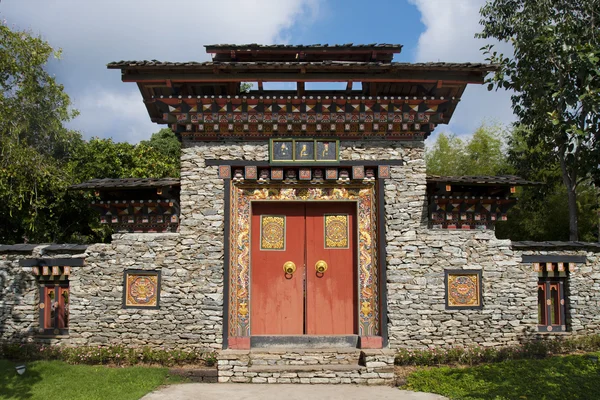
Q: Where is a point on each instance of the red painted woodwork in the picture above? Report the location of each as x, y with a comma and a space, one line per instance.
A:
371, 342
49, 299
280, 305
331, 296
277, 305
239, 342
56, 302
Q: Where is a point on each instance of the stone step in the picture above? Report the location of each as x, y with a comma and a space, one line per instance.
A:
306, 368
301, 365
305, 341
292, 356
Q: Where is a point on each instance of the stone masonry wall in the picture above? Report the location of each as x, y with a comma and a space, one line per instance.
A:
19, 294
582, 293
191, 263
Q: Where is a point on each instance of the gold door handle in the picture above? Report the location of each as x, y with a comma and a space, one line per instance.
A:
321, 266
289, 268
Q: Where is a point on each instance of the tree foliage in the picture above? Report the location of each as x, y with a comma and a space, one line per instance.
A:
34, 144
40, 158
555, 75
481, 154
541, 212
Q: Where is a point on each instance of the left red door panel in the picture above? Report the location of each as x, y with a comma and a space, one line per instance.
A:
278, 237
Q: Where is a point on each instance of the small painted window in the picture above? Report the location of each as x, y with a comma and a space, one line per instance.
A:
551, 305
54, 308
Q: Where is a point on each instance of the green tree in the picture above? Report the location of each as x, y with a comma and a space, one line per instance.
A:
166, 149
104, 158
34, 144
541, 212
481, 154
445, 156
555, 75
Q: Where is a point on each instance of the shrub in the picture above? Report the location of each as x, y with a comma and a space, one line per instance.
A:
117, 354
473, 355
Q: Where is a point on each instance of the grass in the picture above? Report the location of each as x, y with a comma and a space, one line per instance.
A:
58, 380
568, 377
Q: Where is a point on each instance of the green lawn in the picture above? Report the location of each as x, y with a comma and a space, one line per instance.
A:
570, 377
57, 380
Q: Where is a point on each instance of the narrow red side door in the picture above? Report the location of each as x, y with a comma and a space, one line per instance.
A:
278, 236
331, 296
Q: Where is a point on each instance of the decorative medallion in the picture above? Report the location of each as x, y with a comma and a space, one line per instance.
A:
336, 231
272, 232
384, 172
251, 172
358, 172
305, 174
142, 289
224, 172
463, 289
277, 174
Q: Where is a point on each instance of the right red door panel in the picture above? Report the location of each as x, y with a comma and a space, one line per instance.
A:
331, 295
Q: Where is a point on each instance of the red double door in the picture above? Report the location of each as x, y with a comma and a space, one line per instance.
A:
303, 269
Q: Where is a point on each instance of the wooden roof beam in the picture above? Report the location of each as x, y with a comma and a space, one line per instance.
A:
372, 89
300, 88
409, 76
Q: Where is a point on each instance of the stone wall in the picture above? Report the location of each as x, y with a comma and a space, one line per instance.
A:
191, 262
582, 286
19, 293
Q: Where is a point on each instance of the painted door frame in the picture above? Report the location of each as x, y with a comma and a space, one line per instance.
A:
371, 295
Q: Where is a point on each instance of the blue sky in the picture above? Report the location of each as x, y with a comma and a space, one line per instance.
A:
93, 33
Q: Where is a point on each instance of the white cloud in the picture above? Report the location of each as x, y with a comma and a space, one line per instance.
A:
111, 113
450, 27
93, 33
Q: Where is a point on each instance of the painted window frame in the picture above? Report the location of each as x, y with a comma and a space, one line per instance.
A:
546, 284
59, 324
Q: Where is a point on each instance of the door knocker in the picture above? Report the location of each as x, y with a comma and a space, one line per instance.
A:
289, 268
320, 267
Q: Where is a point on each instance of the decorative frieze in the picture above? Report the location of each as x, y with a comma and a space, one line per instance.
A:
467, 212
201, 118
152, 215
314, 175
